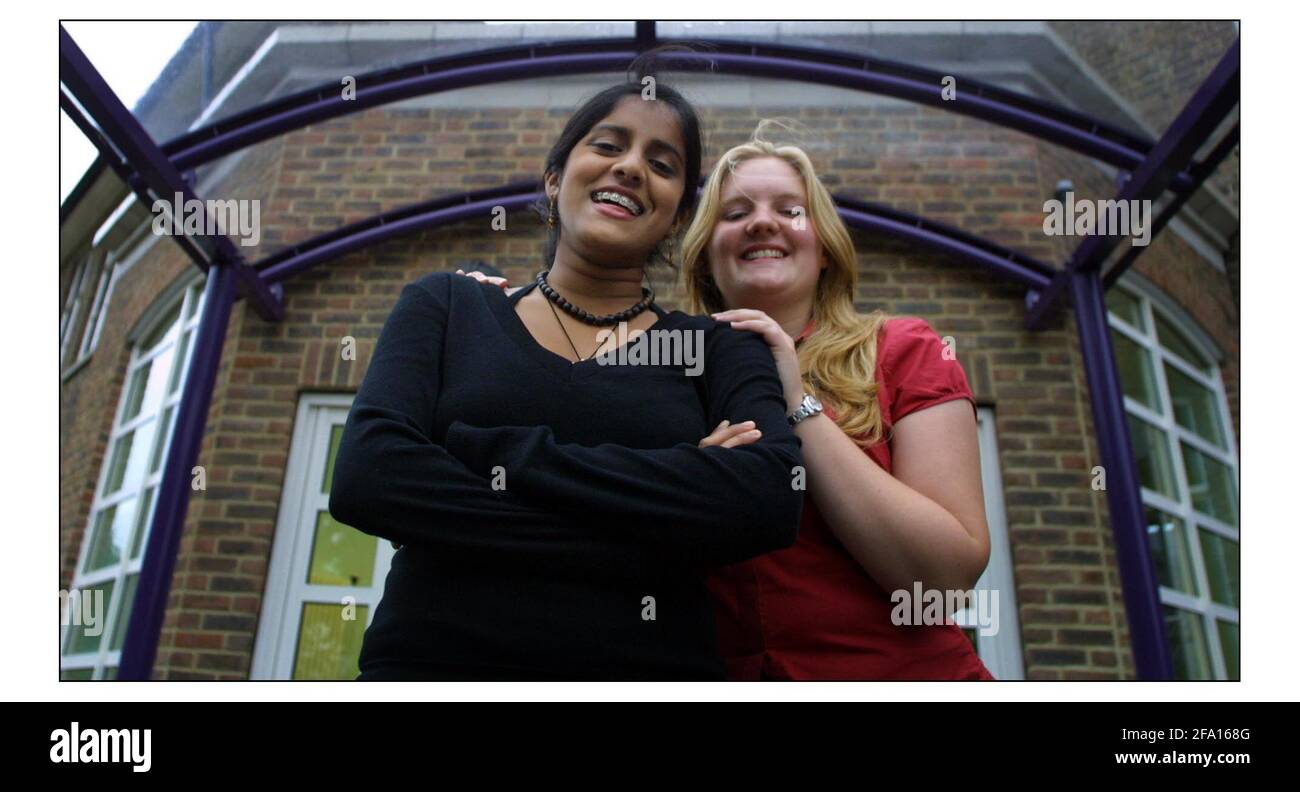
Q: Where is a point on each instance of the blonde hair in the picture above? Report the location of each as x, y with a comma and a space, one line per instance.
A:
837, 361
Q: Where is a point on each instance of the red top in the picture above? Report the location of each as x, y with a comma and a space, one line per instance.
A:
811, 611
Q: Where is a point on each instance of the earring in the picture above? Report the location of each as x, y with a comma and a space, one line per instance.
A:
551, 218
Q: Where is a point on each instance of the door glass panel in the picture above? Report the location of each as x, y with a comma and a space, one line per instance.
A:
329, 645
341, 555
336, 436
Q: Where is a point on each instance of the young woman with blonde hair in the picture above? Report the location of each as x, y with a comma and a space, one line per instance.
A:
888, 429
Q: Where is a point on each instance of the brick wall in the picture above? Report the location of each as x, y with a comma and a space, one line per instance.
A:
973, 175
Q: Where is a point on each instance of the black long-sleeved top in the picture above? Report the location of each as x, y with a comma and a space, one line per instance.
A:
607, 498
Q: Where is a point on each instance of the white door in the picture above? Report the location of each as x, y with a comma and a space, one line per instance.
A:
325, 577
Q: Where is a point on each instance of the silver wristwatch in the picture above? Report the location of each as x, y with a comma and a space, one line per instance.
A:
809, 407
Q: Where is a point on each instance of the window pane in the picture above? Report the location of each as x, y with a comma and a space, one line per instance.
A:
1126, 307
1136, 374
1155, 470
336, 436
123, 613
1170, 552
161, 331
142, 523
1222, 567
159, 370
1230, 640
160, 441
129, 453
1195, 408
329, 643
77, 674
1213, 490
86, 621
341, 555
111, 532
1176, 342
178, 368
195, 296
1186, 632
135, 393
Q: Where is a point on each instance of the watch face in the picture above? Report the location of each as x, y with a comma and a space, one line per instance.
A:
813, 402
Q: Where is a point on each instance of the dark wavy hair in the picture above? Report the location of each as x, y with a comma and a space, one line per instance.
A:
601, 105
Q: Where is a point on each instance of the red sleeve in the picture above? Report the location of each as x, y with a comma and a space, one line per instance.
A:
919, 368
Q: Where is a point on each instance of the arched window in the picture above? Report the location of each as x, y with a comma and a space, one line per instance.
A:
1187, 463
97, 607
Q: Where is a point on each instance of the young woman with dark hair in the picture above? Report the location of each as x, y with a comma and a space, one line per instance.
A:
556, 516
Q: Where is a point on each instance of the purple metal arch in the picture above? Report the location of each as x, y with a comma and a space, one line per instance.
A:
1077, 131
153, 170
451, 209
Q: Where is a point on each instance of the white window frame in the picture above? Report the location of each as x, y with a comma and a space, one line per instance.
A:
103, 659
1174, 436
286, 588
71, 318
70, 305
1002, 652
98, 309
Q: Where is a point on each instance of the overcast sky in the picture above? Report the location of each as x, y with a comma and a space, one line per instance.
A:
130, 56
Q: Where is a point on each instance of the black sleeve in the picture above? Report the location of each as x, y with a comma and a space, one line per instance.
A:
705, 505
391, 480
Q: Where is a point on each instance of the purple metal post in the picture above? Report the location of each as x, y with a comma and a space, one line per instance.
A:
1123, 490
145, 625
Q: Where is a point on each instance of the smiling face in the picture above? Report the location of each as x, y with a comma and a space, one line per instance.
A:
764, 249
621, 185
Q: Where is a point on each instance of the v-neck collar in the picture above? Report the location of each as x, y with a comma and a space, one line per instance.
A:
563, 368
